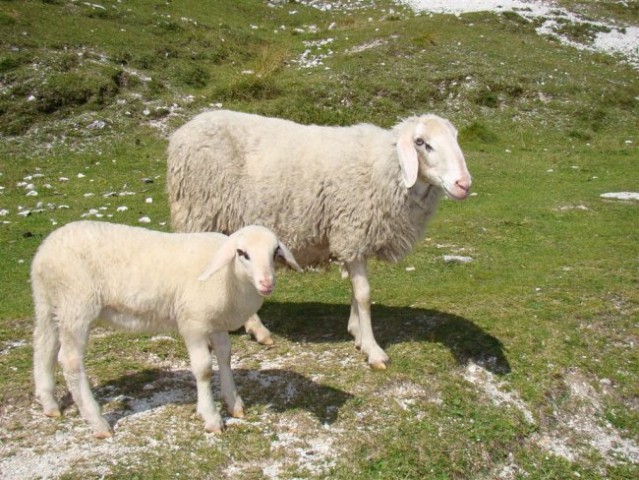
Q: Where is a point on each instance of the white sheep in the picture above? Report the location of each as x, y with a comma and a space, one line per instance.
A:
202, 284
331, 193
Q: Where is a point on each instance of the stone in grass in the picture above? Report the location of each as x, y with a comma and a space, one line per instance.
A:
457, 259
621, 195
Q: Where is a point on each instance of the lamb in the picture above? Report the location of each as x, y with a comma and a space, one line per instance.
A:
341, 194
202, 284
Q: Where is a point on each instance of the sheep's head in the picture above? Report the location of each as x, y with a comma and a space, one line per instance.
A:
427, 149
254, 250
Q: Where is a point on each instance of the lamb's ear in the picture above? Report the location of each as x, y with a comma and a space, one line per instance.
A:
286, 254
222, 257
408, 161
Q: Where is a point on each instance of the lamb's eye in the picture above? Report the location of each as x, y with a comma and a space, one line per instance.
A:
242, 253
421, 142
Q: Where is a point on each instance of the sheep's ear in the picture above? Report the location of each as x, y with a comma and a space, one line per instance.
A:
286, 254
222, 257
452, 128
408, 161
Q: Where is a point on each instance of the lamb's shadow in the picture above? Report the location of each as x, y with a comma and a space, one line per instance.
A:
321, 322
276, 390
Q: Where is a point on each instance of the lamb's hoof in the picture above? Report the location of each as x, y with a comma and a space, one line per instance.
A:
216, 429
53, 412
266, 341
378, 365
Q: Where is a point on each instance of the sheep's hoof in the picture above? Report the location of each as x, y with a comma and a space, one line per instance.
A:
102, 434
261, 335
378, 365
238, 413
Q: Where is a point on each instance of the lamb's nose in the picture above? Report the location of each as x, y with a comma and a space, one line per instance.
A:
265, 285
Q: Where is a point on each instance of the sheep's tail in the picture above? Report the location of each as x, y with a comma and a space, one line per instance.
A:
46, 345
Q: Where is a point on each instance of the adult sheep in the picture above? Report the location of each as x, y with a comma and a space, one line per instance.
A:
331, 193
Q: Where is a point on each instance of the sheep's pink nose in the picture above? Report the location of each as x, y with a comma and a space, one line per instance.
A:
463, 185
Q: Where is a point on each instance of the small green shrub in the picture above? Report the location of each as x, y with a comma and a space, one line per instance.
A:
487, 98
195, 75
73, 89
6, 19
478, 132
248, 88
580, 32
8, 63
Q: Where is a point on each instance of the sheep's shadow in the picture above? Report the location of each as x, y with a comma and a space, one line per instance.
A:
322, 322
276, 390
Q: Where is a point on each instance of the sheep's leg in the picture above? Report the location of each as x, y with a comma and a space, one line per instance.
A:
222, 347
256, 328
46, 346
353, 323
377, 358
72, 347
200, 356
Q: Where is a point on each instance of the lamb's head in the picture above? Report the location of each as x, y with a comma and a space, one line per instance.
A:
254, 250
427, 149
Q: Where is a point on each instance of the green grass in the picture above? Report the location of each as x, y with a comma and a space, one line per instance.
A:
548, 308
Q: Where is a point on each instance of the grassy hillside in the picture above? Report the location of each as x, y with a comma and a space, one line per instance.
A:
521, 364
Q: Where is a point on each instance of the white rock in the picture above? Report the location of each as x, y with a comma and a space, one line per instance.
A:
98, 124
457, 259
621, 195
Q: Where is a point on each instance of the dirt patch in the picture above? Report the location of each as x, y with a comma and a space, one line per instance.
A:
579, 427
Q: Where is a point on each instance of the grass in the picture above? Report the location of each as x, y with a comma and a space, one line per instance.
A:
547, 310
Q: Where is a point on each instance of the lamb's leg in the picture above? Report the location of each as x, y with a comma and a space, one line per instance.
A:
200, 355
46, 346
222, 347
377, 358
256, 328
73, 343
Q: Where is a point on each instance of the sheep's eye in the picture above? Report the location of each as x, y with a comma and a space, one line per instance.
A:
419, 142
243, 254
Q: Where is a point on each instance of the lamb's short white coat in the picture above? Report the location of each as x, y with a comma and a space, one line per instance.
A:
330, 193
201, 284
